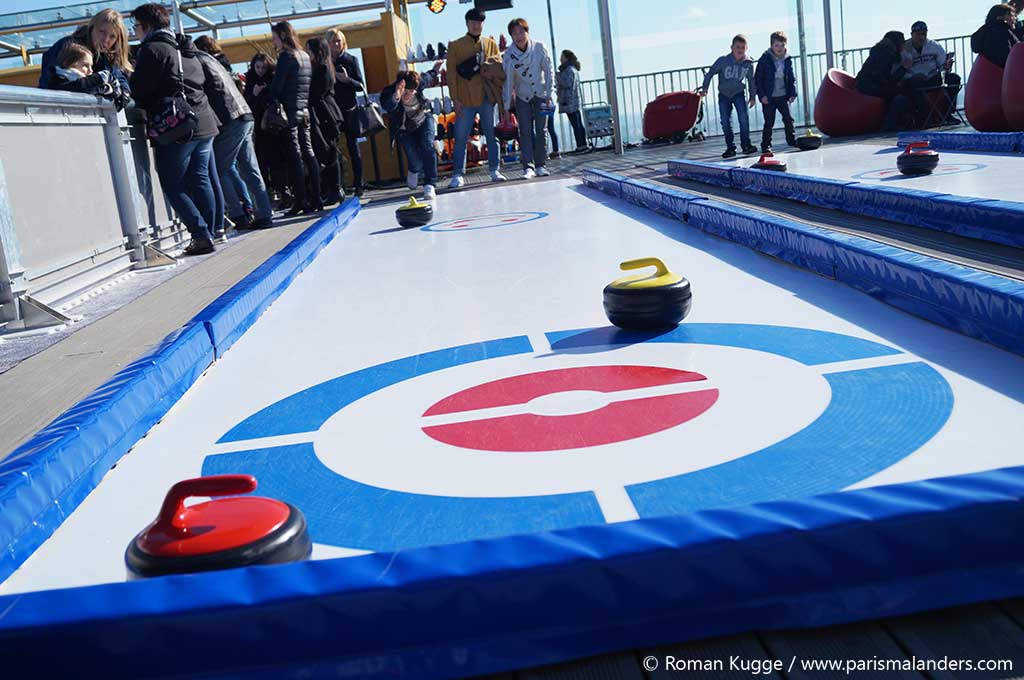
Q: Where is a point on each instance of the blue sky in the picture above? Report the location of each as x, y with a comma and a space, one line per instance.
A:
656, 35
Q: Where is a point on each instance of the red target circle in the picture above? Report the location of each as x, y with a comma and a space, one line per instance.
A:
627, 416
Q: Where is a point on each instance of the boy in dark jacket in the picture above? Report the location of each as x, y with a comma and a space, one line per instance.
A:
732, 70
412, 124
776, 84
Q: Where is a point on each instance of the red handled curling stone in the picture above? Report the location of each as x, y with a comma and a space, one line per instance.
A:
918, 159
770, 162
218, 534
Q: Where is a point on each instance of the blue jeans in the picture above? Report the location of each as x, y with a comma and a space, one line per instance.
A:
217, 225
419, 149
184, 171
239, 171
533, 125
464, 125
725, 107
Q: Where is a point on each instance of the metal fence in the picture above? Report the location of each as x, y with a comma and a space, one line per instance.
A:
78, 202
636, 91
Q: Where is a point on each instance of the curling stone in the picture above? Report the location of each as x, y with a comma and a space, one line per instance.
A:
918, 159
647, 301
218, 534
414, 214
768, 161
809, 141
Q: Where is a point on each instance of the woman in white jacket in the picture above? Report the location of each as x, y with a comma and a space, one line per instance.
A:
530, 78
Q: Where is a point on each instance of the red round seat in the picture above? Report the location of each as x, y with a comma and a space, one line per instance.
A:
983, 102
841, 111
1013, 88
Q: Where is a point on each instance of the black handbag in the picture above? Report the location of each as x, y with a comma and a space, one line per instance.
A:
177, 122
367, 117
275, 119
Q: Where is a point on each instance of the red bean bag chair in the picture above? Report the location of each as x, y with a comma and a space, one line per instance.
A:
841, 111
1013, 88
984, 100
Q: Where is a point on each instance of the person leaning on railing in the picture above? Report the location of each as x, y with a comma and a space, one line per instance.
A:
74, 73
166, 67
107, 38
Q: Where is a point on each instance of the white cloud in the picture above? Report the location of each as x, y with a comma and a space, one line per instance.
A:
694, 12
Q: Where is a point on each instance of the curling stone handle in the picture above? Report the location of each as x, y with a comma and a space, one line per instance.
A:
917, 145
645, 262
171, 518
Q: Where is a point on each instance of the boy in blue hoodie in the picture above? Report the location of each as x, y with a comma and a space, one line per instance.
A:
776, 83
732, 70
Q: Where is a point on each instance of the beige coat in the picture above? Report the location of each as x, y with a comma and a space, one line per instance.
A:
469, 92
493, 73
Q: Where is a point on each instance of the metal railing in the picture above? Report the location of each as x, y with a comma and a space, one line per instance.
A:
78, 201
636, 91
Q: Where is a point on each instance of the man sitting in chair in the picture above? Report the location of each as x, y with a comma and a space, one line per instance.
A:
926, 64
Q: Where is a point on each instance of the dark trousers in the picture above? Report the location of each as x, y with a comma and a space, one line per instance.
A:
419, 150
576, 121
299, 147
918, 86
552, 134
330, 175
780, 105
352, 143
273, 162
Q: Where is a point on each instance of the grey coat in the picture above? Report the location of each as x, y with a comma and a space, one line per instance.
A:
568, 89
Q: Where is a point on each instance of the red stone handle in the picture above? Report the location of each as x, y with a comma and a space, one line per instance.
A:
917, 145
171, 519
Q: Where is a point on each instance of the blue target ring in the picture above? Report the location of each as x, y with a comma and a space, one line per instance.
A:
486, 221
875, 418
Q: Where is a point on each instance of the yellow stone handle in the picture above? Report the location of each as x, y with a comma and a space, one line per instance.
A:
642, 262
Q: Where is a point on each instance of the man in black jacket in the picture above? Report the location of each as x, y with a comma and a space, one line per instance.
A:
166, 67
348, 84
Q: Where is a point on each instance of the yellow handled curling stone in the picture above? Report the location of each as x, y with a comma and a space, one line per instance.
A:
414, 214
647, 301
810, 141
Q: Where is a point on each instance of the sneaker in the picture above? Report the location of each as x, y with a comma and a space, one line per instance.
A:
412, 180
220, 236
203, 247
730, 152
767, 149
458, 181
529, 173
429, 194
543, 172
496, 176
749, 149
447, 106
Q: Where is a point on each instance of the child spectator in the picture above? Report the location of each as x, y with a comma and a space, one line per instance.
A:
411, 122
776, 83
106, 37
732, 70
73, 73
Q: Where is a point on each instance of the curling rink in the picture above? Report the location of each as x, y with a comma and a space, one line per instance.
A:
460, 381
981, 175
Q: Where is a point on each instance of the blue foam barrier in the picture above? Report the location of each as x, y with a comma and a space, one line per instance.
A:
45, 479
984, 142
700, 171
490, 606
607, 182
663, 200
978, 218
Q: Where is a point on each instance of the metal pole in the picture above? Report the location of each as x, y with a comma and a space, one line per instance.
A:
551, 24
830, 53
177, 17
801, 27
609, 71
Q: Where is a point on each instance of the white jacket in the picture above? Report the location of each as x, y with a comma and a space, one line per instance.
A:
928, 62
528, 74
